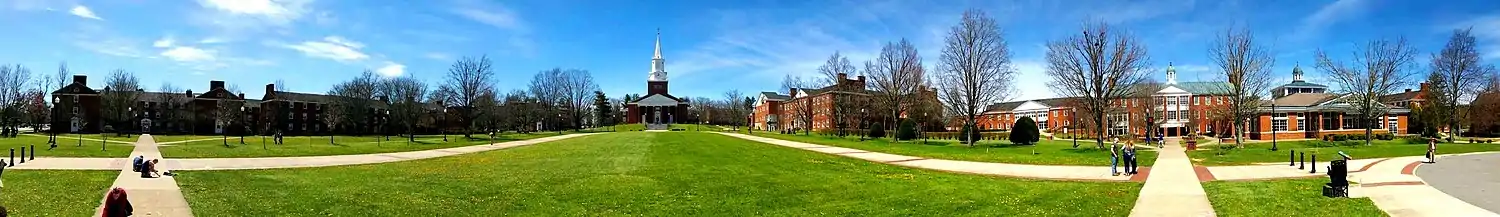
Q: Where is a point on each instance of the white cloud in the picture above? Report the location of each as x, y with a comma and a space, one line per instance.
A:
332, 47
343, 41
268, 8
1327, 15
515, 30
188, 54
212, 40
1031, 80
498, 17
1486, 30
164, 42
235, 18
84, 12
437, 56
391, 69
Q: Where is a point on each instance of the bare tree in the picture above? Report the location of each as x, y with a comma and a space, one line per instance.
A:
1380, 68
579, 88
468, 78
789, 82
974, 69
846, 97
120, 97
1459, 70
830, 70
732, 100
280, 85
12, 83
229, 113
1246, 66
897, 75
62, 76
1141, 95
1096, 67
174, 102
803, 112
407, 95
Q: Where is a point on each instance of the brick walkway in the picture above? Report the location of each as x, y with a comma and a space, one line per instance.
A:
1393, 187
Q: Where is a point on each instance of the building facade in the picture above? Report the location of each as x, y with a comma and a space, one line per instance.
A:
1298, 110
821, 108
657, 106
79, 109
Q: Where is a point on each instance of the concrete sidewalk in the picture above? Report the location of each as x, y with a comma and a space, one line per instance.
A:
150, 196
1099, 173
1173, 189
1393, 187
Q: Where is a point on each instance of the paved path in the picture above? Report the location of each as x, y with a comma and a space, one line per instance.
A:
1471, 178
151, 196
985, 168
68, 163
1393, 188
1173, 189
75, 138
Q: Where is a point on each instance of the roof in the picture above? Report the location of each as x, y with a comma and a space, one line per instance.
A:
1301, 84
1304, 99
1404, 96
158, 96
1007, 106
649, 96
76, 88
774, 96
304, 97
1204, 87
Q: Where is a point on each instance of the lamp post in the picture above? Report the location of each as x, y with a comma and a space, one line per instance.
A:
862, 124
442, 128
1273, 126
921, 128
102, 138
556, 125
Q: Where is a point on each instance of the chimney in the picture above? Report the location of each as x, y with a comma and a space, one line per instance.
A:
242, 95
81, 79
1408, 90
215, 85
270, 88
1423, 87
843, 77
791, 91
190, 94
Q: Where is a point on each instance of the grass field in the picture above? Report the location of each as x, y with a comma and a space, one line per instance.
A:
1288, 197
54, 192
1261, 152
69, 145
642, 174
321, 146
1048, 152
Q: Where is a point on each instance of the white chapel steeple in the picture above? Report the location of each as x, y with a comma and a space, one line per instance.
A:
658, 65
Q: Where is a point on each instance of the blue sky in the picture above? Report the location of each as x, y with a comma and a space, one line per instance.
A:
710, 46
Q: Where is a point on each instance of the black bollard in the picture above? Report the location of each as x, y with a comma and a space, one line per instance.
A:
1315, 164
1291, 158
12, 157
23, 154
1303, 165
33, 152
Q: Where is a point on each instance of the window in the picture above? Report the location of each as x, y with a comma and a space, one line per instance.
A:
1278, 122
1159, 100
1196, 99
1390, 124
1350, 122
1171, 115
1182, 100
1221, 100
1187, 116
1302, 121
1171, 101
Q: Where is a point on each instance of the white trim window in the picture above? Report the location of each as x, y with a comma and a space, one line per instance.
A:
1182, 100
1301, 121
1171, 115
1196, 100
1391, 122
1278, 121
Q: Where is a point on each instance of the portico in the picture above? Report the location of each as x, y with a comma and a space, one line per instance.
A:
657, 106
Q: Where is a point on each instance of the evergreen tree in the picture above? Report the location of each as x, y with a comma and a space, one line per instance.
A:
1024, 132
602, 110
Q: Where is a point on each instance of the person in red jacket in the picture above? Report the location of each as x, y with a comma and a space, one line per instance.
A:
116, 204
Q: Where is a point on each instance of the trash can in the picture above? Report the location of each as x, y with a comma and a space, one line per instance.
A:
1338, 182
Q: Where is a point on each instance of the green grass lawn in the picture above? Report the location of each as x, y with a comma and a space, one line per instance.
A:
54, 192
1261, 152
642, 174
68, 145
1049, 152
1287, 197
320, 146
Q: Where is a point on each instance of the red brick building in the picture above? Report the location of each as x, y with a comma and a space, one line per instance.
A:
79, 110
815, 109
76, 107
657, 106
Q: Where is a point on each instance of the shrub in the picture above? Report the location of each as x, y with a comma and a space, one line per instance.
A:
877, 130
1025, 132
968, 134
1417, 140
907, 130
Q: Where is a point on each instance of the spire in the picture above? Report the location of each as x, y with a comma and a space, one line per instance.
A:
1297, 72
1171, 74
658, 44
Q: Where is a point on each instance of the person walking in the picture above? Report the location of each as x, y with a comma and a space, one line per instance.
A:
1114, 157
1130, 164
1432, 150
